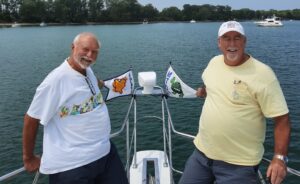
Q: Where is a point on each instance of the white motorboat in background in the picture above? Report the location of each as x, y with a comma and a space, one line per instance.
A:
145, 21
270, 22
15, 24
43, 24
192, 21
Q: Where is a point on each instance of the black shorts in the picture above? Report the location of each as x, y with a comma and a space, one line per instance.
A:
107, 170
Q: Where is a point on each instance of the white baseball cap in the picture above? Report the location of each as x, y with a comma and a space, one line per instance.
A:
231, 26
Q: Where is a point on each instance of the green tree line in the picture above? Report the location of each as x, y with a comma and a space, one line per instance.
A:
83, 11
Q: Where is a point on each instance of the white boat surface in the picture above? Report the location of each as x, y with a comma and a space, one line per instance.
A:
145, 21
157, 159
160, 162
43, 24
270, 22
15, 24
192, 21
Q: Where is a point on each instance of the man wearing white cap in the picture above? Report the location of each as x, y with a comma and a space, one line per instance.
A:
241, 92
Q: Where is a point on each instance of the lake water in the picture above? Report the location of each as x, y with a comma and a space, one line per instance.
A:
28, 54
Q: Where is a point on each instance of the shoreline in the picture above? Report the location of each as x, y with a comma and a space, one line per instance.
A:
42, 24
16, 24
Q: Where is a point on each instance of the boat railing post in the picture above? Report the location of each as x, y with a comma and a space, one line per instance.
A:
164, 131
261, 178
36, 177
169, 132
134, 130
169, 136
127, 146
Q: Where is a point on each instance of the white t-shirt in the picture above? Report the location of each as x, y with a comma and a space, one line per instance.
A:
76, 122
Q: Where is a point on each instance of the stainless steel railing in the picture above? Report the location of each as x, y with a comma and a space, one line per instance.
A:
167, 136
18, 171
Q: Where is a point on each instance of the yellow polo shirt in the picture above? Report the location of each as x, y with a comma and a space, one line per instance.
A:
232, 125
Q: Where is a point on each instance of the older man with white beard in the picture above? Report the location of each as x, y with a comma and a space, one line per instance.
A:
240, 92
69, 104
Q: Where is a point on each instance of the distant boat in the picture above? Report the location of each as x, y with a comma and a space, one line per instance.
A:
270, 22
15, 24
145, 21
192, 21
43, 24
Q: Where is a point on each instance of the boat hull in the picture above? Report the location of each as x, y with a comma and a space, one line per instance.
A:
262, 24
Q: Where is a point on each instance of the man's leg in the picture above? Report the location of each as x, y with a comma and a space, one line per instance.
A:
197, 170
114, 172
226, 173
81, 175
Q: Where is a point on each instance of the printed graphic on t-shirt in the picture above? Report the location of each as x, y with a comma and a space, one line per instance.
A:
87, 106
241, 94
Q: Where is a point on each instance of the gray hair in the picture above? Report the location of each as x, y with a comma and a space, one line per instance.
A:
76, 39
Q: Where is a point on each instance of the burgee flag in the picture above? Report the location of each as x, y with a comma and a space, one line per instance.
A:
175, 87
121, 85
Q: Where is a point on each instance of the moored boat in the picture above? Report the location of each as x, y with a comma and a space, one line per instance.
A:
270, 22
145, 21
43, 24
15, 24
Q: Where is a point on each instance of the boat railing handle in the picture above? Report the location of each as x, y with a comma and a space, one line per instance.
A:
18, 171
12, 174
290, 170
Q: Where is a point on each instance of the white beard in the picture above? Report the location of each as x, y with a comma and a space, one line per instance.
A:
81, 61
231, 57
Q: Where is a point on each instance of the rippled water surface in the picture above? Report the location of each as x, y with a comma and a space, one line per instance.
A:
28, 54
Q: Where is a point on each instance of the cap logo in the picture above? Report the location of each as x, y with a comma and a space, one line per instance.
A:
231, 25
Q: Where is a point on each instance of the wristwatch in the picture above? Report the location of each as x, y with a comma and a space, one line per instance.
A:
284, 158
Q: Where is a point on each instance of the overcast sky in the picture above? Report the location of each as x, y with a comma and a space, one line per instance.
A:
234, 4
